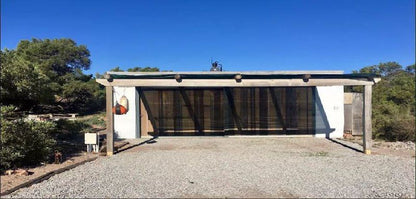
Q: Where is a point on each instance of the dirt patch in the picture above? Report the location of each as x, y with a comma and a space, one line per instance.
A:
318, 154
401, 149
145, 145
9, 182
395, 145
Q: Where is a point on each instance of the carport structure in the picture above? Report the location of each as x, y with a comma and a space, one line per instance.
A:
235, 103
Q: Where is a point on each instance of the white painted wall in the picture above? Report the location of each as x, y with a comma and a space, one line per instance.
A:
127, 126
329, 104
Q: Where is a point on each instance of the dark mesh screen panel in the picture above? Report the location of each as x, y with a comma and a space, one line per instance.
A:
229, 111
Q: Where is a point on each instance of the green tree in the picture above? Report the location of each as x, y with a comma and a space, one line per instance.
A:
117, 69
411, 69
383, 69
393, 101
145, 69
55, 57
21, 83
134, 69
45, 72
83, 96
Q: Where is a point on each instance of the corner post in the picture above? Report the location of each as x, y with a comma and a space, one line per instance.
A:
367, 126
110, 120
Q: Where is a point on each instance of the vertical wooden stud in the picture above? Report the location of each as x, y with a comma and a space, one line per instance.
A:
367, 127
110, 120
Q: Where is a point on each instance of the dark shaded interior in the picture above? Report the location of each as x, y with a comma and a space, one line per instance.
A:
230, 111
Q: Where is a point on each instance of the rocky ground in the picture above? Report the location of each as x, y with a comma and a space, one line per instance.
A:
236, 167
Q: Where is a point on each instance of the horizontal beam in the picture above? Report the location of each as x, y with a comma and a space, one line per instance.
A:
319, 72
233, 83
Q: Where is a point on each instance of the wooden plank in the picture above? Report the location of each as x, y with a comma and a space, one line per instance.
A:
217, 121
232, 82
263, 109
357, 113
231, 104
110, 120
244, 104
149, 112
291, 107
348, 98
367, 137
278, 110
144, 120
177, 111
191, 111
198, 108
161, 114
253, 108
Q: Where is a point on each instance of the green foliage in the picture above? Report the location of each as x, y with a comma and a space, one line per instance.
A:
411, 69
83, 97
117, 69
55, 57
49, 73
96, 120
24, 142
145, 69
20, 82
136, 69
70, 130
393, 101
383, 69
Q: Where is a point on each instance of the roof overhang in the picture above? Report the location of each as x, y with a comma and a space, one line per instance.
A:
237, 79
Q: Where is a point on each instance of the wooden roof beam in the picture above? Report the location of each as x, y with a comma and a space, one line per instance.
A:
234, 83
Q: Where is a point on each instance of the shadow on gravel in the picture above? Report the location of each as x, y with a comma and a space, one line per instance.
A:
344, 145
323, 123
149, 141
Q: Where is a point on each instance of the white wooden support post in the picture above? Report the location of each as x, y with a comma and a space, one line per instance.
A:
110, 120
367, 126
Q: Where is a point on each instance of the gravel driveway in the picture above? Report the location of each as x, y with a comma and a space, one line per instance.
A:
234, 167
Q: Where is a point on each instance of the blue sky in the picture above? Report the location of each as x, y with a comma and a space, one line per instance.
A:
242, 35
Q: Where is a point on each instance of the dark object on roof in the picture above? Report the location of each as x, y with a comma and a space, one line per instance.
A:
216, 66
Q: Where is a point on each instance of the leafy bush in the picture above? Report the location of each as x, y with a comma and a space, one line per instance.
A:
70, 130
396, 129
95, 120
393, 101
24, 142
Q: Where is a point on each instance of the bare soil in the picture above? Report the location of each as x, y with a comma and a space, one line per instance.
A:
380, 147
10, 181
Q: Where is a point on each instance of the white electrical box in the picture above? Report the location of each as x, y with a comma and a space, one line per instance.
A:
91, 138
